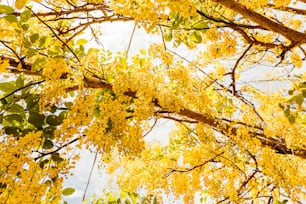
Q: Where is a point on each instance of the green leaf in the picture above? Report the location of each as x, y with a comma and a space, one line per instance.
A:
31, 53
304, 93
38, 64
25, 27
13, 118
168, 35
68, 191
299, 99
200, 25
44, 41
26, 131
34, 37
291, 119
62, 115
12, 131
287, 111
56, 157
290, 92
43, 162
32, 101
7, 87
6, 9
53, 120
196, 37
54, 50
16, 108
26, 43
48, 132
20, 81
48, 144
177, 20
25, 16
302, 85
68, 104
36, 119
97, 112
11, 18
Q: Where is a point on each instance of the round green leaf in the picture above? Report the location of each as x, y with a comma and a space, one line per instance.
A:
48, 144
11, 18
68, 191
48, 132
25, 15
56, 157
32, 102
299, 99
63, 115
36, 119
12, 131
291, 119
53, 120
42, 163
25, 27
34, 37
44, 41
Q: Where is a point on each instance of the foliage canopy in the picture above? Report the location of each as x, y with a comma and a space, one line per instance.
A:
238, 105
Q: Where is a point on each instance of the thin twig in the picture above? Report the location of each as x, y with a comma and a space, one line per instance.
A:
233, 74
90, 174
130, 42
151, 128
15, 53
21, 88
194, 167
42, 154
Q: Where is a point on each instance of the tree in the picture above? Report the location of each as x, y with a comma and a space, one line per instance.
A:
236, 140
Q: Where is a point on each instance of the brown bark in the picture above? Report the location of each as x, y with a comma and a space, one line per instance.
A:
275, 143
294, 36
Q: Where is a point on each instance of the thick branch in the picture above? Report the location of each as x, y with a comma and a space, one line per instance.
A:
294, 36
288, 9
220, 125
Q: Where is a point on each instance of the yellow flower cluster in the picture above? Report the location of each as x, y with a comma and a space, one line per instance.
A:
21, 177
54, 68
4, 64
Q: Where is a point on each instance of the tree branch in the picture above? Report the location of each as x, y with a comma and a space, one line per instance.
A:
192, 168
294, 36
